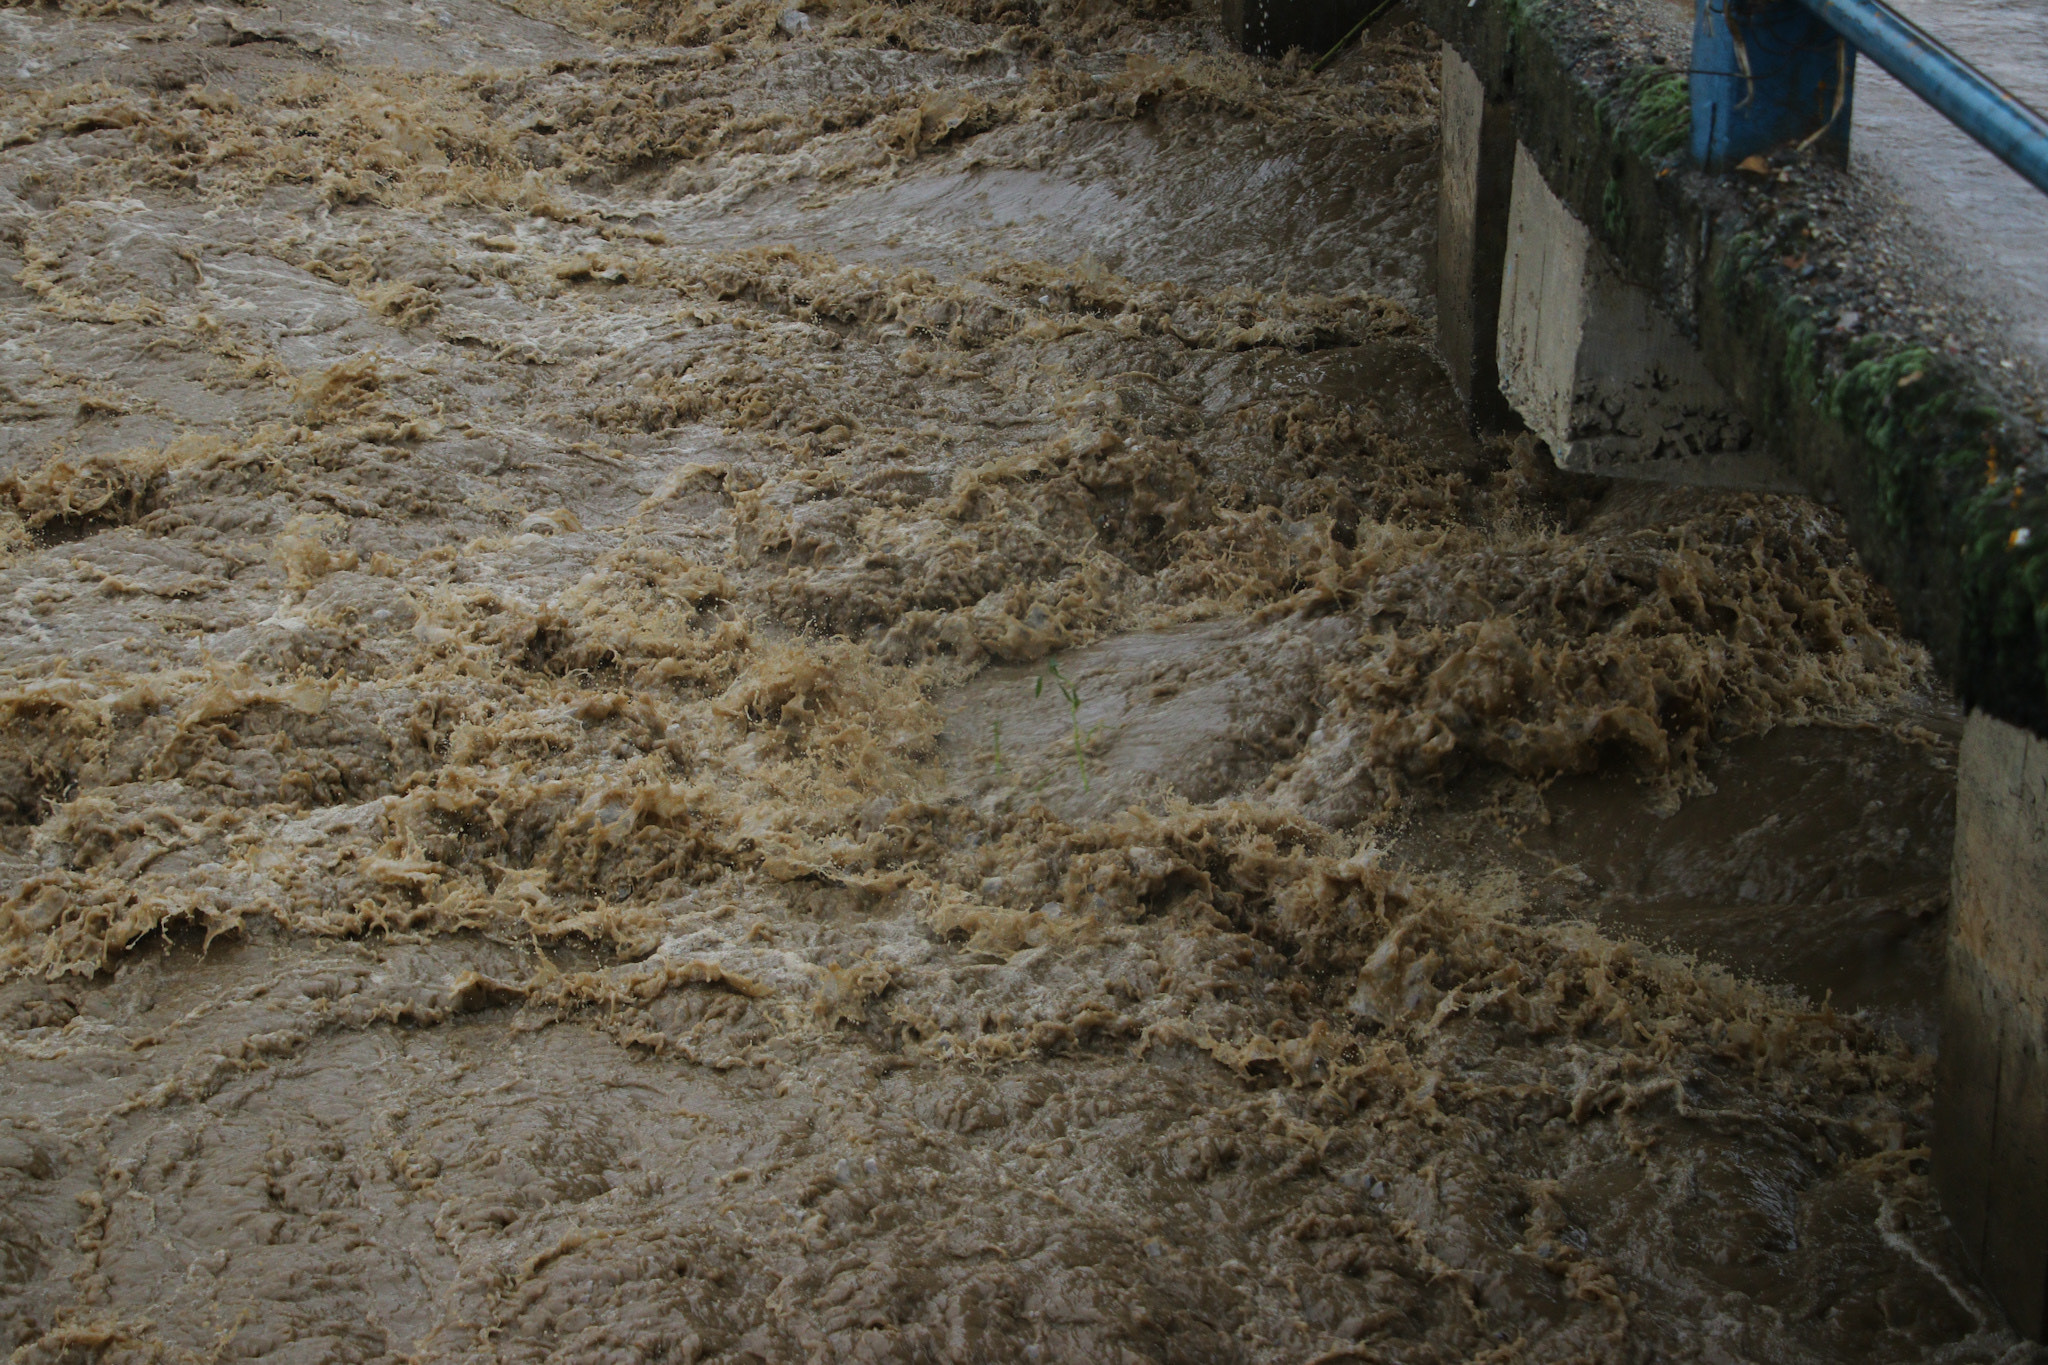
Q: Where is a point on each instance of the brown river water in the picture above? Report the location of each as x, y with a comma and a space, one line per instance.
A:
690, 686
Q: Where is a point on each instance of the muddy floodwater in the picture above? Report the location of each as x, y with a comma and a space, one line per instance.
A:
686, 682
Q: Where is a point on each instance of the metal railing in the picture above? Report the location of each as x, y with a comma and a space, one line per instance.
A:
1779, 71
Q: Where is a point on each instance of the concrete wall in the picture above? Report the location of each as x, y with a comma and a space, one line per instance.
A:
1991, 1133
1599, 372
1535, 323
1478, 149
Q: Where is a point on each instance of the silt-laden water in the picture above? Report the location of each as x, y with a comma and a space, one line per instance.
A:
684, 685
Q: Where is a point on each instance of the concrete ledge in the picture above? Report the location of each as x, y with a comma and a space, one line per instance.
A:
1991, 1130
1600, 372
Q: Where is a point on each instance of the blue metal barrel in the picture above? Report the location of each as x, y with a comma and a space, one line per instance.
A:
1769, 72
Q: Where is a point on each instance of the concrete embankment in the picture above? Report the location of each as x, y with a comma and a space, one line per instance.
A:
1784, 324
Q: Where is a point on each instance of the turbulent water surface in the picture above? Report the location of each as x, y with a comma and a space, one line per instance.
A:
686, 684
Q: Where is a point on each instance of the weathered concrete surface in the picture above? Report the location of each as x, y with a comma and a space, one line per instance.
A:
1599, 372
1478, 150
1991, 1137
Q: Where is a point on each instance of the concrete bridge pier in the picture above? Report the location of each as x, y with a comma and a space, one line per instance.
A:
1534, 319
1478, 149
1991, 1121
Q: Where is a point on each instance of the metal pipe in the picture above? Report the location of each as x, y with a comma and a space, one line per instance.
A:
1980, 106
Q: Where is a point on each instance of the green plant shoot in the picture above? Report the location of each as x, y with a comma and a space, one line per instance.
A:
1073, 698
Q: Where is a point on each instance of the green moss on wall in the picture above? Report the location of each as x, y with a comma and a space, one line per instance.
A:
1613, 210
1654, 111
1944, 486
